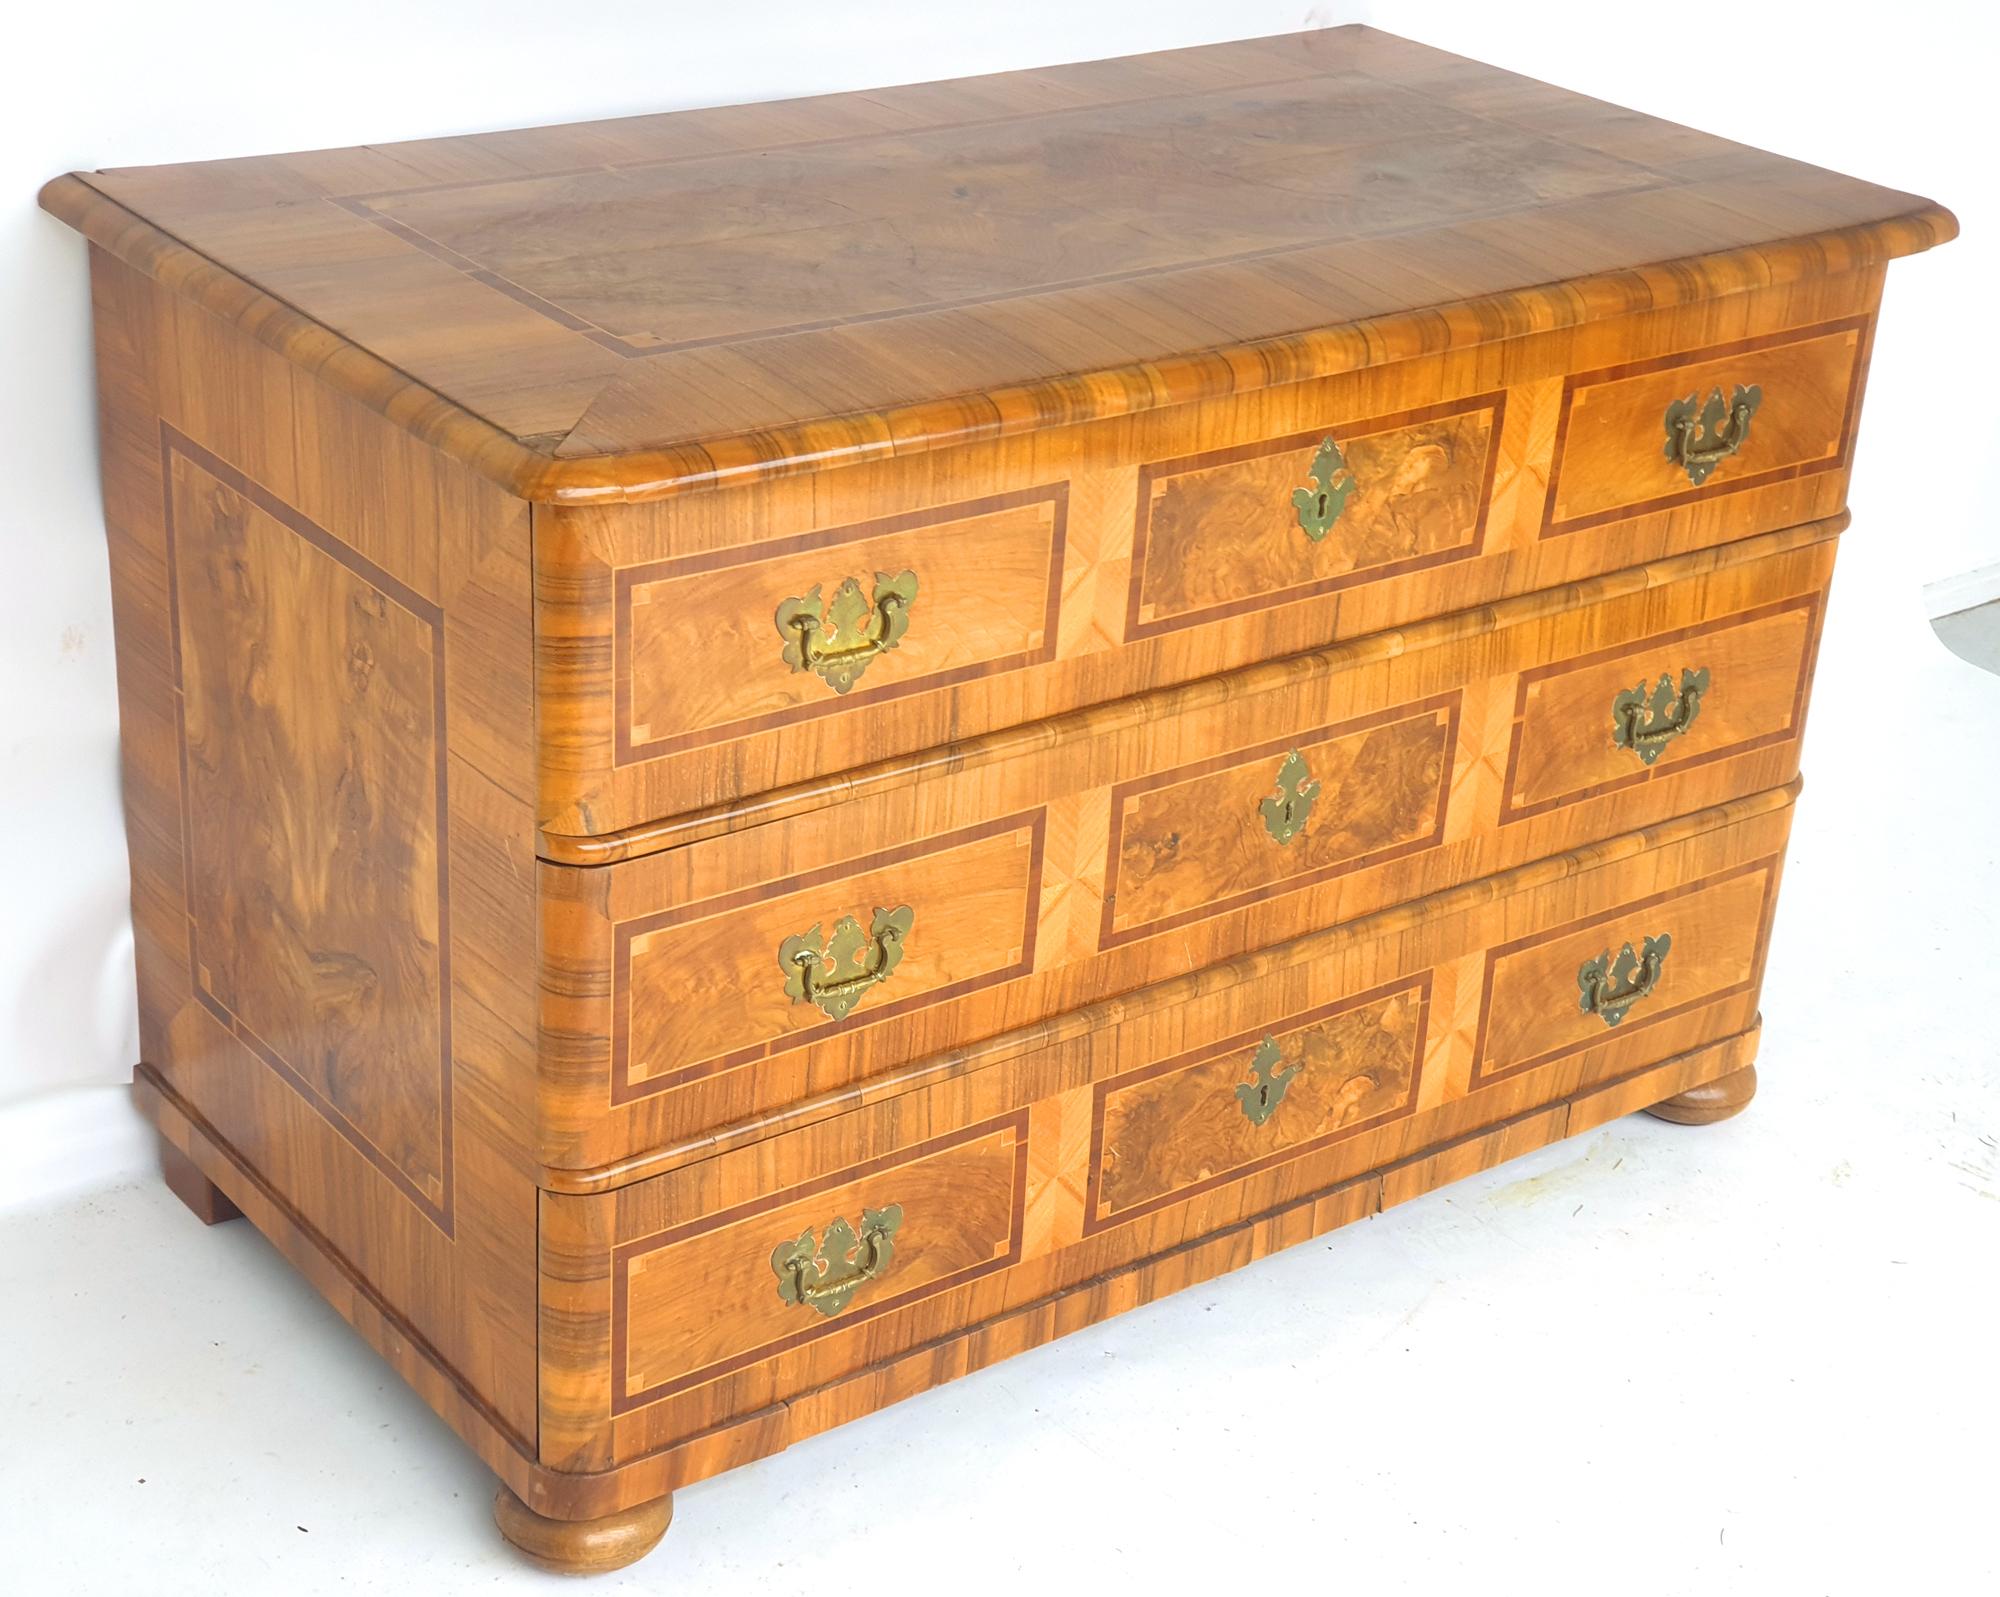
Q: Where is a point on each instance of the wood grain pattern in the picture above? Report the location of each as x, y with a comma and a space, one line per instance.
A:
1218, 531
1709, 1101
312, 743
323, 675
617, 757
1164, 1130
1191, 841
699, 988
453, 489
1155, 861
693, 1302
981, 259
1759, 664
582, 1546
699, 656
1395, 997
1528, 1009
1609, 459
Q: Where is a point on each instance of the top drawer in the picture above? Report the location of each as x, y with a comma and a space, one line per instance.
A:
700, 650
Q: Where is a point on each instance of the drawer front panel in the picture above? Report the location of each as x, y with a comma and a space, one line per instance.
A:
1084, 861
1619, 717
1170, 1130
1125, 1131
716, 984
1199, 840
695, 1302
702, 655
1560, 991
1074, 567
1223, 532
1612, 459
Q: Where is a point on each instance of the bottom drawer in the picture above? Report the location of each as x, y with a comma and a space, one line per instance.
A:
685, 1314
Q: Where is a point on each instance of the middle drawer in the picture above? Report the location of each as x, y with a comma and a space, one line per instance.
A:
830, 934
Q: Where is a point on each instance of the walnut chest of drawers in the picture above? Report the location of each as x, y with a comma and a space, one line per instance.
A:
770, 753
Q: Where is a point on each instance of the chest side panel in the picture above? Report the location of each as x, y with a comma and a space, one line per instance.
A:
324, 680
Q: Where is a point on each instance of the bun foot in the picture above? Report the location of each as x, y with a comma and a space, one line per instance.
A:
185, 1181
582, 1546
1711, 1101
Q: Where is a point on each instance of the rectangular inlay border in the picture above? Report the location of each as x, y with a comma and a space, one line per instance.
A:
626, 752
173, 443
1838, 461
1110, 935
1096, 1218
1136, 628
623, 1255
1511, 810
625, 1090
1760, 946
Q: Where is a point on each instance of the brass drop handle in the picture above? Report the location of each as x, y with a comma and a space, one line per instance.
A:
1261, 1095
1699, 440
824, 1273
1646, 724
1609, 988
839, 641
1319, 506
1286, 812
834, 974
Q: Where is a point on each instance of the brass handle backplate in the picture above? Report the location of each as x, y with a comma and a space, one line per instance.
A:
1610, 987
1701, 437
835, 973
1286, 812
1319, 506
825, 1272
1261, 1095
839, 641
1646, 724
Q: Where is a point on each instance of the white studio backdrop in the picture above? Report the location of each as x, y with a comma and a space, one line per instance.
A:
1901, 95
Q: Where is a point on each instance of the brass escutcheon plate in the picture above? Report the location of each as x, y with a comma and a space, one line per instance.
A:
1646, 724
1287, 812
825, 1272
835, 974
839, 641
1319, 506
1609, 988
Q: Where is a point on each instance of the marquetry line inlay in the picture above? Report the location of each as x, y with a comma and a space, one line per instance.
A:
299, 926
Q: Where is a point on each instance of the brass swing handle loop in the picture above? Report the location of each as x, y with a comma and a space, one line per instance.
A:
1701, 436
1646, 722
1608, 988
834, 973
840, 640
824, 1273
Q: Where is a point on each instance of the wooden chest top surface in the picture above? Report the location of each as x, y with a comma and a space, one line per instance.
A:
627, 308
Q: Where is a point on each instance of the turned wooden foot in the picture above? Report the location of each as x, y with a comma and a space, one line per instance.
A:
583, 1546
185, 1181
1711, 1101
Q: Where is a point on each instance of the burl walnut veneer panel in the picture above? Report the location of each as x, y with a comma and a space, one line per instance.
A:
772, 752
323, 630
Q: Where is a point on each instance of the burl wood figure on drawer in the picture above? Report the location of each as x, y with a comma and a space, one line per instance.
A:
770, 753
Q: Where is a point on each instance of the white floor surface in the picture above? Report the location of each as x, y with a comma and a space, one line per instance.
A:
1756, 1358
